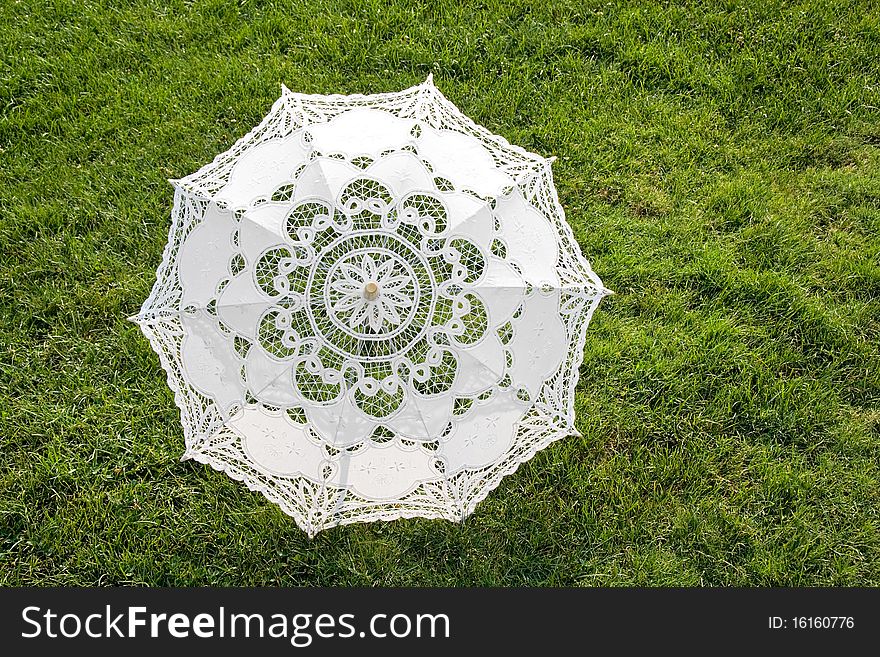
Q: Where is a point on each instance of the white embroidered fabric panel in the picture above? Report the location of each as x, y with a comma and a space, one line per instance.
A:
371, 308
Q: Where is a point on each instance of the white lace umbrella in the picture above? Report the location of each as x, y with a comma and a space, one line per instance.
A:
371, 308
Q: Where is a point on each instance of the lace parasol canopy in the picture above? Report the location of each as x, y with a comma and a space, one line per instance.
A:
371, 308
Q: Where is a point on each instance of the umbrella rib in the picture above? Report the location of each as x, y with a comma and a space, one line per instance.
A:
142, 316
324, 179
253, 222
156, 328
556, 288
274, 380
342, 454
225, 419
428, 434
498, 375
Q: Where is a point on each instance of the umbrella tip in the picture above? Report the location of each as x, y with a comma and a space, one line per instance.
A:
606, 292
430, 80
551, 159
284, 89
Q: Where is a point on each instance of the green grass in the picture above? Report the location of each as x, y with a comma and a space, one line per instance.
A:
718, 161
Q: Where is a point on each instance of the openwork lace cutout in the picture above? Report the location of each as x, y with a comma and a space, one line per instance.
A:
371, 308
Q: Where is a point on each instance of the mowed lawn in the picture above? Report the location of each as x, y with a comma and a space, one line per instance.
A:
719, 163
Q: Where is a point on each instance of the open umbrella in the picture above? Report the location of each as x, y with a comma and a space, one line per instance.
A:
371, 308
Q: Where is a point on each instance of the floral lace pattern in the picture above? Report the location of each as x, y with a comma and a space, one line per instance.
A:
371, 294
371, 308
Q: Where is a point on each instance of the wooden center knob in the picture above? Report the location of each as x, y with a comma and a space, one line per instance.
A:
371, 291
